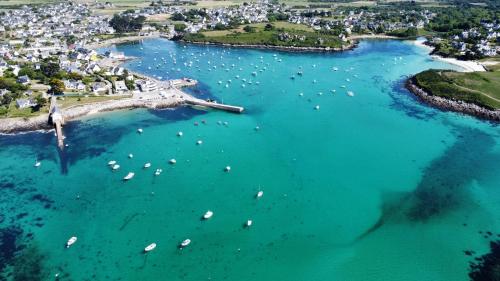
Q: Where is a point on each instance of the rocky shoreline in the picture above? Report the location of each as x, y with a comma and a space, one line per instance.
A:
17, 125
452, 105
351, 46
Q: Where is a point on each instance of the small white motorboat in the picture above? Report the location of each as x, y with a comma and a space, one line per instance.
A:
248, 223
158, 172
208, 215
147, 165
140, 130
227, 169
259, 194
185, 243
131, 155
150, 247
349, 93
316, 107
179, 134
129, 176
71, 241
199, 142
112, 162
172, 161
38, 164
115, 167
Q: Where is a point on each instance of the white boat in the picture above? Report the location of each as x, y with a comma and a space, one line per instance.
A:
150, 247
158, 172
38, 164
139, 131
179, 134
208, 215
316, 107
115, 167
129, 176
131, 155
335, 69
147, 165
199, 142
349, 93
249, 223
185, 243
172, 161
227, 169
259, 194
71, 241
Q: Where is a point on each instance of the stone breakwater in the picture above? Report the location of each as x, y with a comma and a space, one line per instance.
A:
452, 105
14, 125
280, 48
77, 111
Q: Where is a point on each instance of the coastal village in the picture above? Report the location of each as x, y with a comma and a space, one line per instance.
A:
362, 180
51, 50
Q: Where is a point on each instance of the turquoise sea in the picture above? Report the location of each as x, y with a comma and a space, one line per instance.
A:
375, 186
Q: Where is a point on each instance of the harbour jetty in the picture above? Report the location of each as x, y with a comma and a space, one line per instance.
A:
57, 118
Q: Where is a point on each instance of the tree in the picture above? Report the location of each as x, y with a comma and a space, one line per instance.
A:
249, 28
268, 27
177, 17
56, 86
50, 69
126, 23
40, 100
179, 27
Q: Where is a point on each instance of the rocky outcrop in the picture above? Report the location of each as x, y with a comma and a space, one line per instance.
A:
453, 105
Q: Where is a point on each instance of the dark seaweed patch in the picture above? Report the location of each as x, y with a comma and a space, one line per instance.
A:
443, 186
487, 267
403, 100
28, 265
9, 245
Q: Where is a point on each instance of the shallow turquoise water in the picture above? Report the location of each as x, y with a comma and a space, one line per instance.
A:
371, 187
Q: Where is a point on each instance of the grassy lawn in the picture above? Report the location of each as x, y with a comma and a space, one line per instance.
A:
14, 112
78, 100
300, 36
480, 88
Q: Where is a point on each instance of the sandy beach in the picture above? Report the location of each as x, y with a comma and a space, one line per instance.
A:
120, 40
466, 66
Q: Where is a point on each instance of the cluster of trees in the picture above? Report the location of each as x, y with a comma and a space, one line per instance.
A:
277, 16
127, 23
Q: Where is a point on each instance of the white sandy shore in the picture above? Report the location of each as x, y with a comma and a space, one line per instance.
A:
466, 66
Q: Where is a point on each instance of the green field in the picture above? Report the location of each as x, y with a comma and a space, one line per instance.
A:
260, 36
68, 101
480, 88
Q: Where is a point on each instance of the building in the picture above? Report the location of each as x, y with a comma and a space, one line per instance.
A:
120, 87
146, 85
25, 103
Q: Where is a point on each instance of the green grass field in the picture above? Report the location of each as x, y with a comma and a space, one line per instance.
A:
260, 36
480, 88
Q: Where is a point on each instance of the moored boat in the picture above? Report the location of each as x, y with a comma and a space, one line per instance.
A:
208, 215
150, 247
185, 243
129, 176
71, 241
